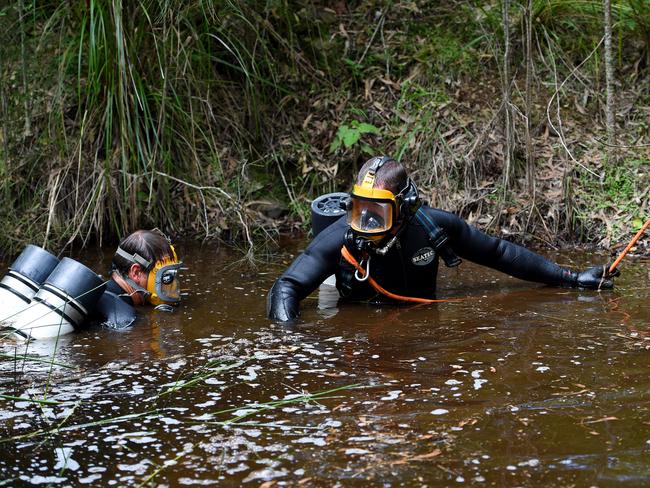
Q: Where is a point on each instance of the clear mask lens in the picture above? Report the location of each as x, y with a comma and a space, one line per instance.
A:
371, 221
168, 277
370, 217
167, 283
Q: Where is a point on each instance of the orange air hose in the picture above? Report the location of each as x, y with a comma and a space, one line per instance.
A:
629, 246
350, 259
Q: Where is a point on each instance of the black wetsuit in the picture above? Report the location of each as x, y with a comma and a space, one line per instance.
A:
115, 309
409, 268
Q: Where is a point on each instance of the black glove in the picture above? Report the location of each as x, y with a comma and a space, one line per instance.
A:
597, 278
281, 304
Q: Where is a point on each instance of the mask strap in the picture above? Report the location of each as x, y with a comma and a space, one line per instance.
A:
409, 197
369, 177
134, 258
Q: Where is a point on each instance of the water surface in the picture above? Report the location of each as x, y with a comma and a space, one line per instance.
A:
521, 385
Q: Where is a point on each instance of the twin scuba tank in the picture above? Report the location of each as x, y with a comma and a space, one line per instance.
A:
327, 209
43, 297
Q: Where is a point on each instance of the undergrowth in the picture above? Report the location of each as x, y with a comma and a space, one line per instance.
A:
224, 119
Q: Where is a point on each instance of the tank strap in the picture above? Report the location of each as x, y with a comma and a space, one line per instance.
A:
438, 239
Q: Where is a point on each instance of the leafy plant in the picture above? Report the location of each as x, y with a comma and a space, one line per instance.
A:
349, 135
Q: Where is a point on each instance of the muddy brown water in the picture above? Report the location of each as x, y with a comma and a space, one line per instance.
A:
523, 385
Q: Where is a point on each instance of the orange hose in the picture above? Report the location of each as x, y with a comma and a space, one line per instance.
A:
350, 259
629, 246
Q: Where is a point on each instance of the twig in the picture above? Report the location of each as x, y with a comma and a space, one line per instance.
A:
548, 108
609, 80
372, 38
605, 143
238, 207
506, 87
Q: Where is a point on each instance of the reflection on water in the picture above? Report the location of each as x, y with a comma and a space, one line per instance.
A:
520, 385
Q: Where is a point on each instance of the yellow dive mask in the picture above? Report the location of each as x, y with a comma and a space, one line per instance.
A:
371, 211
163, 285
376, 212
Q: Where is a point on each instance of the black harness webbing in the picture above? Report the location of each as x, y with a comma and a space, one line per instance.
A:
438, 239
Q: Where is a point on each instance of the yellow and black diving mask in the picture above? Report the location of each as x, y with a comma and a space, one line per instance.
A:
371, 211
163, 284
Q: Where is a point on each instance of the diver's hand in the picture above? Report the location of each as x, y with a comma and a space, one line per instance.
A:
597, 278
281, 303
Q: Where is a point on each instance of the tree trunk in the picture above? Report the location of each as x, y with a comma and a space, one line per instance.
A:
509, 139
27, 98
3, 114
609, 82
530, 156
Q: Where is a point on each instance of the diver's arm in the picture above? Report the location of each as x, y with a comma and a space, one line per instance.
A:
472, 244
306, 273
114, 312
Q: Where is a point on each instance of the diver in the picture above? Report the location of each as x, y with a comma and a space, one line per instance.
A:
389, 246
46, 297
144, 270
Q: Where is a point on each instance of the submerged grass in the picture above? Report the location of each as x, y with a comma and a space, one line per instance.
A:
149, 478
33, 359
30, 400
60, 428
256, 408
208, 369
213, 369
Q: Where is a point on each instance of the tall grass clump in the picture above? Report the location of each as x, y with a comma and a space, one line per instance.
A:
141, 113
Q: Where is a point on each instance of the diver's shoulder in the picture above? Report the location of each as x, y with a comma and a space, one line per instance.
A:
112, 288
114, 311
335, 231
441, 217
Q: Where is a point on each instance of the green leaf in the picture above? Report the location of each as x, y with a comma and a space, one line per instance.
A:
351, 137
365, 128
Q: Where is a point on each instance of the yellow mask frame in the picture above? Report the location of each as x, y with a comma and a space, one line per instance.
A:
372, 211
163, 285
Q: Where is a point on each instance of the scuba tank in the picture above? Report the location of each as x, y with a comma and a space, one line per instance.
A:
22, 281
62, 303
327, 209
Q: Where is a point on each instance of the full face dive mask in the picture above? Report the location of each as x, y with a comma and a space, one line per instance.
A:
376, 212
163, 285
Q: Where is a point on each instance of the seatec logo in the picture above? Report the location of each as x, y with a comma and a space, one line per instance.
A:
423, 256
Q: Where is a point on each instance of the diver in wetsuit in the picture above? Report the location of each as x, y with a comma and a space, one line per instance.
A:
397, 240
144, 270
43, 297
